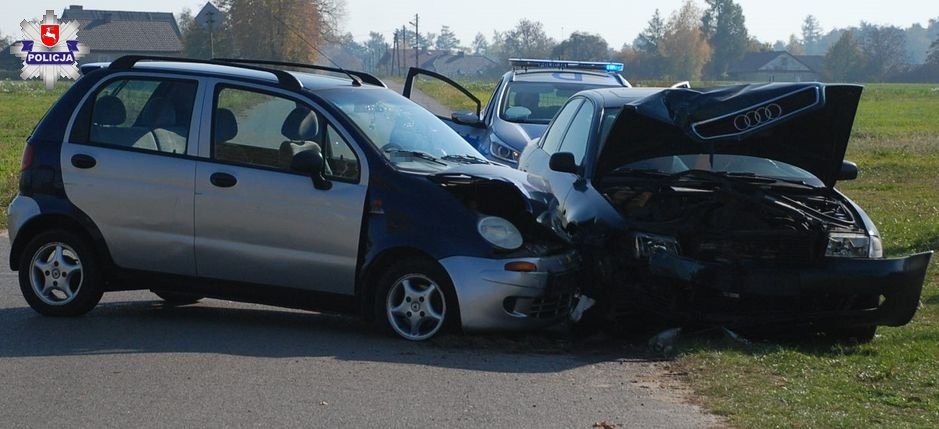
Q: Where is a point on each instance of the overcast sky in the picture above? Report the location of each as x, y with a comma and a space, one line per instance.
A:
617, 21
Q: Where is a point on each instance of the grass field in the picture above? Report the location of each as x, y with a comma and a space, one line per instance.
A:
891, 382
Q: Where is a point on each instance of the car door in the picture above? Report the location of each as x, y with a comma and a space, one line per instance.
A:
452, 103
126, 165
259, 221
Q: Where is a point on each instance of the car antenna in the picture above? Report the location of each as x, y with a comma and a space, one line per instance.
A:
355, 81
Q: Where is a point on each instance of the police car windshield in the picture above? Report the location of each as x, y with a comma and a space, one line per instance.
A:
537, 102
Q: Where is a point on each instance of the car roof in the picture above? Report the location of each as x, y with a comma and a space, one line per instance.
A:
619, 97
310, 81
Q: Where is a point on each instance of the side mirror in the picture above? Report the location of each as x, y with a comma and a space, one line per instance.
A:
848, 171
467, 118
563, 162
311, 162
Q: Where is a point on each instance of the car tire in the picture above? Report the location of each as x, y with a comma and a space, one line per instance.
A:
176, 298
415, 300
59, 274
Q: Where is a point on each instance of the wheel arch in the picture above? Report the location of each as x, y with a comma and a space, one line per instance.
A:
365, 288
51, 221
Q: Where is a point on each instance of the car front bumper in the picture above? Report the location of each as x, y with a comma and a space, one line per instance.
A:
833, 294
494, 298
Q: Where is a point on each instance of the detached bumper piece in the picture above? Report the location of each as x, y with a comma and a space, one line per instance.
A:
838, 292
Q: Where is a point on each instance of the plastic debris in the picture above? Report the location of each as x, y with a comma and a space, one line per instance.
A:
664, 342
584, 303
735, 336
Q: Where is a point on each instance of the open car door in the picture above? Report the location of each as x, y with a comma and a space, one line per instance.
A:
452, 103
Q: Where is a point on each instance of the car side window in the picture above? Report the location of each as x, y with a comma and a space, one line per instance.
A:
140, 113
578, 134
267, 130
552, 139
340, 158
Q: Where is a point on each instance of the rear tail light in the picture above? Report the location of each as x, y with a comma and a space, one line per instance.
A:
27, 160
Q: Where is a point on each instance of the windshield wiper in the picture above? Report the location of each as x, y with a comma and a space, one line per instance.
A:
744, 176
466, 159
649, 172
417, 154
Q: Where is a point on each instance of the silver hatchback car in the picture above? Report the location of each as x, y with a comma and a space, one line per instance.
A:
239, 180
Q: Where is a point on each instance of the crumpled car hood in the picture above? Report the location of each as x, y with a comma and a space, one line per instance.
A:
804, 124
536, 200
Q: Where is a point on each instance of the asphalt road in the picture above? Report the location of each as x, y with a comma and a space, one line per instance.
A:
133, 362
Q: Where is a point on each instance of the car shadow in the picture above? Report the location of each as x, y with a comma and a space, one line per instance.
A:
131, 327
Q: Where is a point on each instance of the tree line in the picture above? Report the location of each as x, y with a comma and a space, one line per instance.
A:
691, 43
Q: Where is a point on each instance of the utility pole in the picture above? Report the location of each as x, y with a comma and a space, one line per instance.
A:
394, 52
417, 40
402, 61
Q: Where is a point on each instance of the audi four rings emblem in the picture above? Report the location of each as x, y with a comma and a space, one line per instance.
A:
758, 116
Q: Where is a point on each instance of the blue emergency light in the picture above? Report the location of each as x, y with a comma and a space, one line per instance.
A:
525, 64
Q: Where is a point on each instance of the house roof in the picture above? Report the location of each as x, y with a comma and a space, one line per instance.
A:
759, 61
107, 30
463, 65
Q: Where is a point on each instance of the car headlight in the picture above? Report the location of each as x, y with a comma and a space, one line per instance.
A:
500, 233
503, 151
850, 245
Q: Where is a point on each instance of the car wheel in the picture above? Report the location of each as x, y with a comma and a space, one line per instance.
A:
176, 298
59, 274
415, 300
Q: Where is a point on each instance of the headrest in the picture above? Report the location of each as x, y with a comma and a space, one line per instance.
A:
300, 125
109, 110
226, 128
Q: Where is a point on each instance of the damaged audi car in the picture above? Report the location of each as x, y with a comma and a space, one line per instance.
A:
719, 207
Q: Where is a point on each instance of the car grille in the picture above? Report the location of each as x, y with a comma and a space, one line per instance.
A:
550, 307
779, 247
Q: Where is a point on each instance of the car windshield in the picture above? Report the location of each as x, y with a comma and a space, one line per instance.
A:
537, 102
406, 134
738, 165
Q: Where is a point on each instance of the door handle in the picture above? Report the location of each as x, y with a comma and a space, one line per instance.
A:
223, 180
83, 161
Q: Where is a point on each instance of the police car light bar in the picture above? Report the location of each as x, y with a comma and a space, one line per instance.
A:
525, 64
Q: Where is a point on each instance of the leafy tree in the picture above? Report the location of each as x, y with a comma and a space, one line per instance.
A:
725, 26
528, 40
375, 48
844, 60
648, 41
283, 30
917, 43
447, 40
779, 46
480, 45
583, 47
197, 40
884, 49
684, 47
932, 56
812, 35
795, 46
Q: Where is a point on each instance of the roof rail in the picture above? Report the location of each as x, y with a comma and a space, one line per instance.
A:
283, 78
366, 77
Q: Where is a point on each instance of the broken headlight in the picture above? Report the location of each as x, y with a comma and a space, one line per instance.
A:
649, 244
850, 245
500, 232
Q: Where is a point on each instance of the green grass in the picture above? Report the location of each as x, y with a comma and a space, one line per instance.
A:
891, 382
22, 105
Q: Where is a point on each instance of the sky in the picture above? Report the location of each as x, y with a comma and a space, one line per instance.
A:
618, 22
